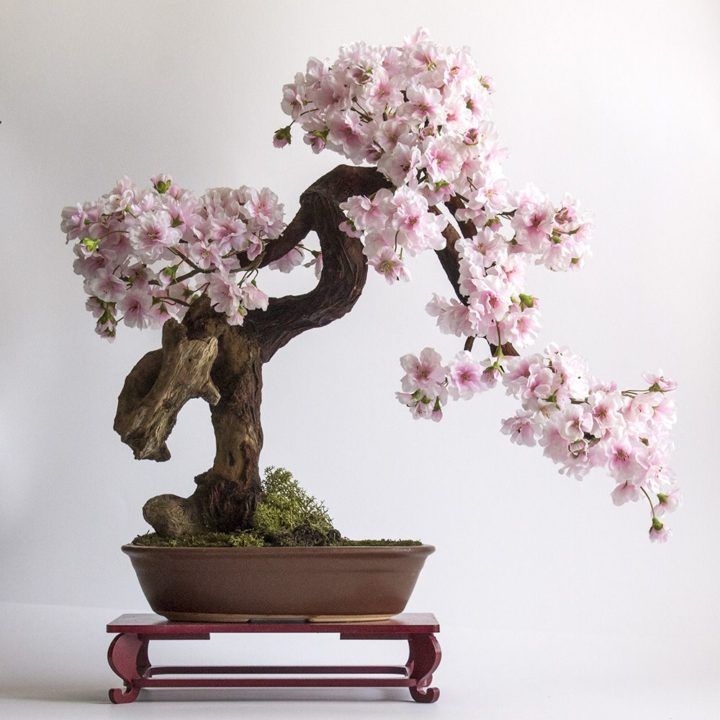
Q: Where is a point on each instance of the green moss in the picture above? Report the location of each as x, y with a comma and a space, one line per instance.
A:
286, 516
211, 539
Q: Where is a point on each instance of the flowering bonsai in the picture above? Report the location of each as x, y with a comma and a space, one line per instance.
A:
426, 177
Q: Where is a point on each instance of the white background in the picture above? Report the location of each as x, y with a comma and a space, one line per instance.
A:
553, 603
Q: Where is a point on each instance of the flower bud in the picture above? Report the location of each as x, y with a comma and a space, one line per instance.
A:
282, 137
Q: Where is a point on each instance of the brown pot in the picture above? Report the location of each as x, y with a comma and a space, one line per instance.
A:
227, 584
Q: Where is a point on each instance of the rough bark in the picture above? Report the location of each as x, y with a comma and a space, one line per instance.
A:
226, 494
159, 385
344, 264
205, 357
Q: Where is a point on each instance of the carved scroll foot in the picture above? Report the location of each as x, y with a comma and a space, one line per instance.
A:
423, 661
128, 658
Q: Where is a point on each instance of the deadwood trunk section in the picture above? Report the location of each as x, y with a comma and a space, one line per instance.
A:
205, 357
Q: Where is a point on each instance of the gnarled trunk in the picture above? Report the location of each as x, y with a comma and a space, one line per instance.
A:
206, 357
226, 494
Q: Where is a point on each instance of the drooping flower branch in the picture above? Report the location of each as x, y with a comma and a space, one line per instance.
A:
421, 114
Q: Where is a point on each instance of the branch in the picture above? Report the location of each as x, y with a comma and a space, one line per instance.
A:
294, 233
344, 264
449, 258
159, 385
467, 227
450, 261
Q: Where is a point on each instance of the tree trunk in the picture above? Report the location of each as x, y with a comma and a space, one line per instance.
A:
226, 494
205, 357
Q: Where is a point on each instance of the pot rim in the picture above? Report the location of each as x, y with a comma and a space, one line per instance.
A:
423, 549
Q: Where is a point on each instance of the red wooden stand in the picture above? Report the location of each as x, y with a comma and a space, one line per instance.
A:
128, 656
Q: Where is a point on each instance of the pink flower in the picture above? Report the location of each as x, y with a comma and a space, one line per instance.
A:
604, 409
347, 131
517, 372
540, 383
658, 532
424, 104
664, 413
520, 327
452, 316
424, 406
466, 376
401, 164
205, 255
96, 307
135, 307
441, 158
282, 137
417, 228
263, 213
393, 133
623, 461
253, 298
657, 378
289, 261
251, 245
388, 264
668, 502
556, 446
625, 492
424, 373
316, 140
152, 236
384, 91
106, 286
490, 297
228, 233
106, 329
225, 297
520, 428
574, 423
366, 213
73, 222
163, 310
292, 101
533, 219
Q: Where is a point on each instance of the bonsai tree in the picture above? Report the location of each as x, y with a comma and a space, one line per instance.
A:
426, 177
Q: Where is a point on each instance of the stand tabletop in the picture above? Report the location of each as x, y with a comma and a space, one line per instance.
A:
149, 624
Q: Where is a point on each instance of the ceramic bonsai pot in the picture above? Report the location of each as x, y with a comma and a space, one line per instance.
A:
229, 584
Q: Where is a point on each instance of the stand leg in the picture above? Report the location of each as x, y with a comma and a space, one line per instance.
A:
423, 661
128, 658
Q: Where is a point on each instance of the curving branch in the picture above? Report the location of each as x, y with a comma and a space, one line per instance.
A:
344, 264
293, 234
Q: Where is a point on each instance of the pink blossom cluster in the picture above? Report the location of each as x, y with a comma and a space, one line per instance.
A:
146, 254
428, 382
582, 423
421, 113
